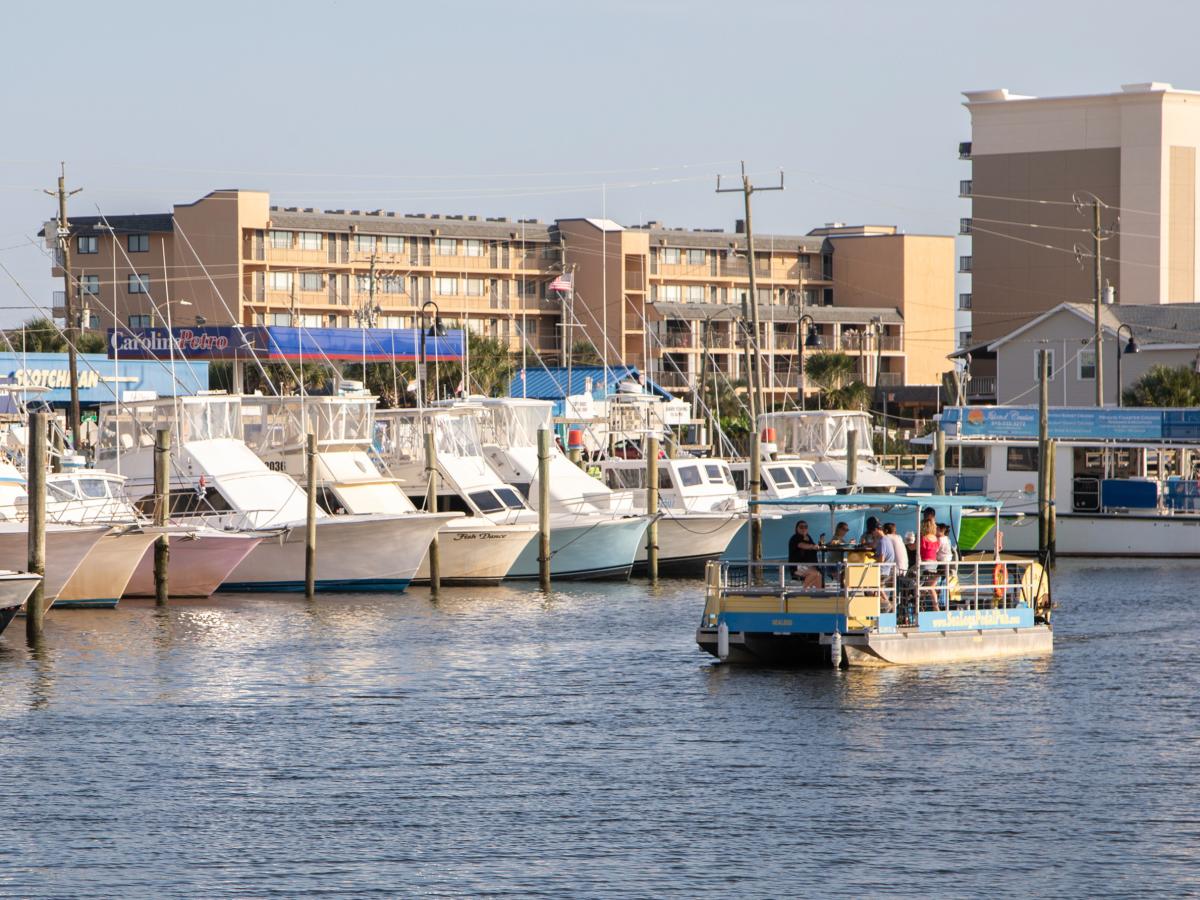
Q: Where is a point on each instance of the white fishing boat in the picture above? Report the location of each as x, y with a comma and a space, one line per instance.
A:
218, 481
15, 588
200, 558
818, 437
1126, 480
472, 548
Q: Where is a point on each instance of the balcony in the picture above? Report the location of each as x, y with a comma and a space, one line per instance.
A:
964, 264
890, 379
981, 387
964, 188
964, 226
964, 301
677, 339
964, 149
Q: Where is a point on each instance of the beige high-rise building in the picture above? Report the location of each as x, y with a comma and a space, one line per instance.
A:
651, 296
1036, 162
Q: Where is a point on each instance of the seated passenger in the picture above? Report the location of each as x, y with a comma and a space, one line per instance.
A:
803, 549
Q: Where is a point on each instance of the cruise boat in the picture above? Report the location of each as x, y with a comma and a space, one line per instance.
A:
857, 612
217, 481
585, 542
473, 549
15, 588
1125, 479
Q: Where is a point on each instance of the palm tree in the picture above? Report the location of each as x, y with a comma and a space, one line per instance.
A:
38, 335
835, 375
491, 367
1165, 386
584, 353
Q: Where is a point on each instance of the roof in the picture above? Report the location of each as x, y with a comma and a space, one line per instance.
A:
943, 501
1156, 326
822, 314
551, 383
380, 222
133, 224
725, 240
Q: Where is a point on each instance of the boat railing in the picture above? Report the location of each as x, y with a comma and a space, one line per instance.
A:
976, 585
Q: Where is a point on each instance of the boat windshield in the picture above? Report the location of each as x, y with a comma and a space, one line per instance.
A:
130, 426
513, 425
457, 436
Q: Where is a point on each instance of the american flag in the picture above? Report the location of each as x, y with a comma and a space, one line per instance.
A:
561, 283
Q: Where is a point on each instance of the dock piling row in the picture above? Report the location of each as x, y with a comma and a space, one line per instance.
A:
162, 546
652, 508
431, 505
35, 606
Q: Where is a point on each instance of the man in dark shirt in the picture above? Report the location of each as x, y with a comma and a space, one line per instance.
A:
803, 549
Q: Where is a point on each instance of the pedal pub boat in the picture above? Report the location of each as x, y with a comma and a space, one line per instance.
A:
851, 608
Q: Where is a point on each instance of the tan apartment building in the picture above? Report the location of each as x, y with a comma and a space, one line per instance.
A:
1033, 158
651, 296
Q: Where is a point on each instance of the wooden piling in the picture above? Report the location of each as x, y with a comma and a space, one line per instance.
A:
652, 508
851, 461
544, 508
162, 495
35, 606
1052, 506
1043, 453
431, 505
310, 522
755, 496
939, 462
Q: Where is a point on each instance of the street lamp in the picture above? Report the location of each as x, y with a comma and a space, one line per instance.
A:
435, 331
812, 341
1131, 347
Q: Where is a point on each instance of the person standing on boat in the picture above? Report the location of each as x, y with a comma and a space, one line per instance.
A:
898, 548
929, 558
803, 549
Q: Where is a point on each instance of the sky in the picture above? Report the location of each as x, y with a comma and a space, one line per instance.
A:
536, 109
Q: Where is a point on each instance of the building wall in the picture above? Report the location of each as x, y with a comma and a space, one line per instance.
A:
1066, 334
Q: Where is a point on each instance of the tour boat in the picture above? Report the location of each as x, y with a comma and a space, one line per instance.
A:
583, 545
851, 610
1125, 479
217, 480
472, 549
15, 588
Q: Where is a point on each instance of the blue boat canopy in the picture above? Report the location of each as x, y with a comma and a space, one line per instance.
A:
888, 501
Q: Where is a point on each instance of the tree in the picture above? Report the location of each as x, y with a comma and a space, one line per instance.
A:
38, 335
835, 374
584, 353
491, 368
1165, 386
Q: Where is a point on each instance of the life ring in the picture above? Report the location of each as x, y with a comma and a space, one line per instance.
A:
999, 579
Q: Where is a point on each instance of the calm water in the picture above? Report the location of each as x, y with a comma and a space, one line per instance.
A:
499, 742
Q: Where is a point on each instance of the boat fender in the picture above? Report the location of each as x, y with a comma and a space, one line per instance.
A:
722, 642
835, 649
999, 579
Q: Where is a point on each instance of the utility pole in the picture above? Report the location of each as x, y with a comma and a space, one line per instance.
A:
64, 249
755, 375
1099, 235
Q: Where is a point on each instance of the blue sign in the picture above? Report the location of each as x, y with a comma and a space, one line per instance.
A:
201, 342
1073, 423
48, 377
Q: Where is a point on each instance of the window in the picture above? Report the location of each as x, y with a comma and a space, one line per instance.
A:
139, 284
89, 284
393, 245
281, 240
695, 257
445, 286
714, 473
279, 281
695, 293
138, 243
474, 287
801, 477
964, 339
827, 296
1037, 365
964, 264
308, 321
964, 301
671, 293
362, 284
390, 284
689, 476
486, 501
1087, 364
281, 319
1022, 459
364, 243
311, 281
446, 247
510, 497
473, 248
310, 240
139, 321
965, 458
86, 244
528, 328
670, 256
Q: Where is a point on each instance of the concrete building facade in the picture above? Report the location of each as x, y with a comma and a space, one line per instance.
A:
1035, 164
650, 296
